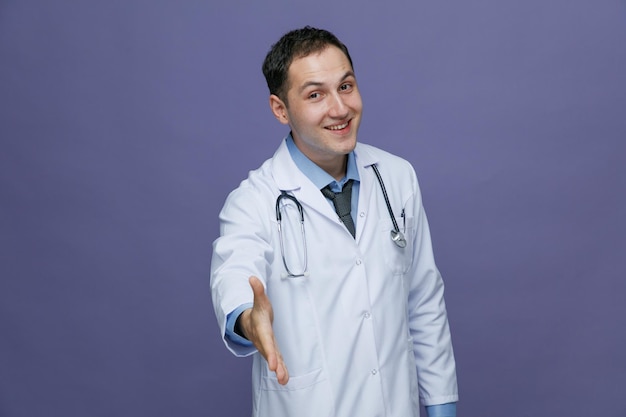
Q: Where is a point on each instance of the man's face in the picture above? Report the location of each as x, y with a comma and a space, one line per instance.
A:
324, 110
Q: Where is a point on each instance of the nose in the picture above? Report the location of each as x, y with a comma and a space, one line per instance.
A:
338, 108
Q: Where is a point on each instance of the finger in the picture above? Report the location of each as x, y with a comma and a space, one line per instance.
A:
272, 361
282, 374
277, 365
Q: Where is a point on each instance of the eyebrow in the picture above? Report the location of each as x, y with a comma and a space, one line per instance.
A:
308, 84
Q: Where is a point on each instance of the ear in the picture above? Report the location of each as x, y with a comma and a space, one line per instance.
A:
279, 109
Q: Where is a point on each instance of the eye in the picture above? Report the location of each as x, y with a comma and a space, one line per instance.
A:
314, 96
345, 87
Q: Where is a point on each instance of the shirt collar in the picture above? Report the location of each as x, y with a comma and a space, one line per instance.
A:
317, 175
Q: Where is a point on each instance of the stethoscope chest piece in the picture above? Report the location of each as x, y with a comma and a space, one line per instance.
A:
398, 239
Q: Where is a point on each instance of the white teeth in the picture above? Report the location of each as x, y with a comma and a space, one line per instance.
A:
338, 127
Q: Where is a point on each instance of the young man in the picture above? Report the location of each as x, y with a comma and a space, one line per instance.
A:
336, 294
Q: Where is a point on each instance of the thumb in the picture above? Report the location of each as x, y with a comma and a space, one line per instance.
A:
261, 301
257, 287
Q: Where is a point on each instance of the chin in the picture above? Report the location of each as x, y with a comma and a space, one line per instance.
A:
351, 142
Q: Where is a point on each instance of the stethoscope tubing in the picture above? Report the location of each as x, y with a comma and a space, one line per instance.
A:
386, 197
396, 235
279, 217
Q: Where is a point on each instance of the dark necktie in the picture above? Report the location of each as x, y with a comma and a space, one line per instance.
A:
342, 203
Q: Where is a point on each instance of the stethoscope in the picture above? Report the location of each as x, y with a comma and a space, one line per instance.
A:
396, 235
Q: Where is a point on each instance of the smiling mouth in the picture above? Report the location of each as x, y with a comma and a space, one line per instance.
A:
339, 127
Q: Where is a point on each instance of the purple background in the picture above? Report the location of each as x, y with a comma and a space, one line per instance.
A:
124, 124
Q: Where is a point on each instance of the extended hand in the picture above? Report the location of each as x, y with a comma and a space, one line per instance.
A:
256, 324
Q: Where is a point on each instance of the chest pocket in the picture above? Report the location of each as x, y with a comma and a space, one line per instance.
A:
397, 259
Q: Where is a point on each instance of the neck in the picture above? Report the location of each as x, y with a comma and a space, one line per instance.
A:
336, 168
333, 163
